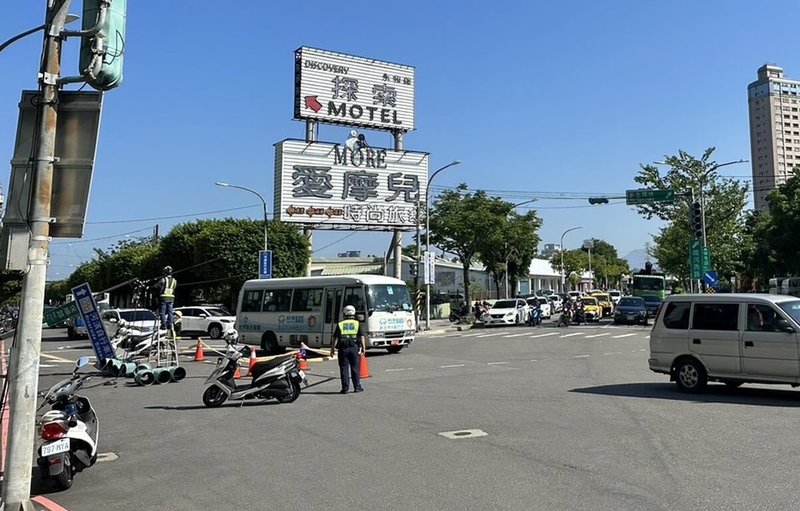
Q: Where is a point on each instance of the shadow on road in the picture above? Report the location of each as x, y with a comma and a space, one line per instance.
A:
714, 393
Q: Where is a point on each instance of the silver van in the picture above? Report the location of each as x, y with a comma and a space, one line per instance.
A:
729, 338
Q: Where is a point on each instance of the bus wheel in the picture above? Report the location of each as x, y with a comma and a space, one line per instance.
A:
270, 343
394, 349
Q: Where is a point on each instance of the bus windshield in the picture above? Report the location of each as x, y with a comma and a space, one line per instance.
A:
644, 285
388, 297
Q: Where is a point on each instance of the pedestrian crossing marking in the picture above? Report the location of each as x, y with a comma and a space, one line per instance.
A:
621, 336
570, 335
543, 335
596, 335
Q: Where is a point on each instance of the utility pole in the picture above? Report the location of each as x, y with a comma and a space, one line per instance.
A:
23, 372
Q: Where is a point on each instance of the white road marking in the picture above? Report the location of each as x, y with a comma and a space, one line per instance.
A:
486, 335
46, 365
613, 353
452, 365
473, 334
621, 336
581, 356
642, 350
534, 360
597, 335
569, 335
497, 363
647, 337
544, 335
402, 369
515, 335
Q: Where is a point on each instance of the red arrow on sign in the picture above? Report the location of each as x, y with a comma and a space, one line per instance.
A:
313, 104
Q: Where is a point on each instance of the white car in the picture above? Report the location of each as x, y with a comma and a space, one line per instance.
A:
213, 321
558, 305
141, 319
511, 311
615, 296
574, 295
544, 305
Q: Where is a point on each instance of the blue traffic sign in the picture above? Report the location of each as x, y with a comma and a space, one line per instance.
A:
711, 278
265, 264
87, 308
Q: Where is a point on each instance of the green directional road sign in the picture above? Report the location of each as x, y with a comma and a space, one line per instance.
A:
699, 259
648, 196
60, 314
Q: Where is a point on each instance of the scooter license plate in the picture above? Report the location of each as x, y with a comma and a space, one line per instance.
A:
302, 374
55, 447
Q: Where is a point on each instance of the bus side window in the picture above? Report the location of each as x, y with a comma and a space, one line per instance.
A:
251, 301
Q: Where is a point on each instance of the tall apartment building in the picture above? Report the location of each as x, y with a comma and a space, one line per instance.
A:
550, 249
774, 104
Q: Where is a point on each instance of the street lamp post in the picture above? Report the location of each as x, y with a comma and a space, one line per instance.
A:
69, 19
263, 202
511, 251
561, 247
428, 240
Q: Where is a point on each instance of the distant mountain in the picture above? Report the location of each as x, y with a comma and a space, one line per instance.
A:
637, 258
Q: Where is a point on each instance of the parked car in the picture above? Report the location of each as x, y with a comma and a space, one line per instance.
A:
653, 303
615, 296
141, 319
604, 299
213, 321
76, 328
574, 295
556, 303
513, 311
544, 305
631, 309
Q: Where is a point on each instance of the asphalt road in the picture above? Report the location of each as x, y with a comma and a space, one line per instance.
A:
571, 419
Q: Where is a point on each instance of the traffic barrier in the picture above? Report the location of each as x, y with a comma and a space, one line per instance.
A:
177, 373
364, 373
303, 362
162, 375
199, 356
144, 378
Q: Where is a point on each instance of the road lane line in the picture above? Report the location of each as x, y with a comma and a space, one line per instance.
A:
613, 353
472, 334
497, 363
486, 335
581, 356
451, 365
647, 337
621, 336
544, 335
596, 335
401, 369
516, 335
57, 359
569, 335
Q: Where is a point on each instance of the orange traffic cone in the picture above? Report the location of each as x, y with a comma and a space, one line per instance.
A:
237, 374
253, 360
303, 364
199, 355
363, 364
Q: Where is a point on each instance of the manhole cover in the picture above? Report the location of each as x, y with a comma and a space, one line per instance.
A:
463, 433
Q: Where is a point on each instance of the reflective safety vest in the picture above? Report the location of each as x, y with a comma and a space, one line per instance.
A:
348, 333
169, 287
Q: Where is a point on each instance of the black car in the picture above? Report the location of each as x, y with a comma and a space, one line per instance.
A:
631, 309
653, 303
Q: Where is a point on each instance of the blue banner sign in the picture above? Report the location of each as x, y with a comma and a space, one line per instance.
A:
94, 327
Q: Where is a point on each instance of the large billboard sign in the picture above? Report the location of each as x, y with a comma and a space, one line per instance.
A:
350, 184
353, 91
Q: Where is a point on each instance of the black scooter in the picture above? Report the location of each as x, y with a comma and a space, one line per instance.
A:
459, 316
278, 378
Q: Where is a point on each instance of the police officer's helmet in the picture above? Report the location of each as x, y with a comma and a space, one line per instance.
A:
167, 270
349, 311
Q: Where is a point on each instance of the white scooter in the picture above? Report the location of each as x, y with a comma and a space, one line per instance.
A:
130, 342
69, 430
278, 378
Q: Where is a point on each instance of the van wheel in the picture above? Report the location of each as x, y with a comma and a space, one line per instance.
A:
269, 343
690, 376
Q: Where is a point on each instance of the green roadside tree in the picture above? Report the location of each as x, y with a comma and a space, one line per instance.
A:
460, 221
724, 201
10, 286
508, 249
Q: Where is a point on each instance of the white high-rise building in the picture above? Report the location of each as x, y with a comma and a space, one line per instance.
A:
774, 103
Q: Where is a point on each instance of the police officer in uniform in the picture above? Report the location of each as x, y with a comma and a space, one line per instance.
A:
349, 339
166, 286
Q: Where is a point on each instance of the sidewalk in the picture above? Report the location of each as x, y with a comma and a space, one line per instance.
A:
442, 326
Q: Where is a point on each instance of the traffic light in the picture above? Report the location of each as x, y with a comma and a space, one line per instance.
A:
102, 54
598, 200
413, 268
696, 220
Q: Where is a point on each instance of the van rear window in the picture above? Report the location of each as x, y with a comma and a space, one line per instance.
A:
716, 316
676, 315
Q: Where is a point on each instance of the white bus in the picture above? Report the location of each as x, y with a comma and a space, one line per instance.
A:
278, 313
775, 285
790, 286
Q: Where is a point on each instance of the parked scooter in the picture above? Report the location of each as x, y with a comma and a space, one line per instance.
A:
460, 315
130, 342
278, 378
69, 430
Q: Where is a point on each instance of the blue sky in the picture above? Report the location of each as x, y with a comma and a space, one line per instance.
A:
533, 97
